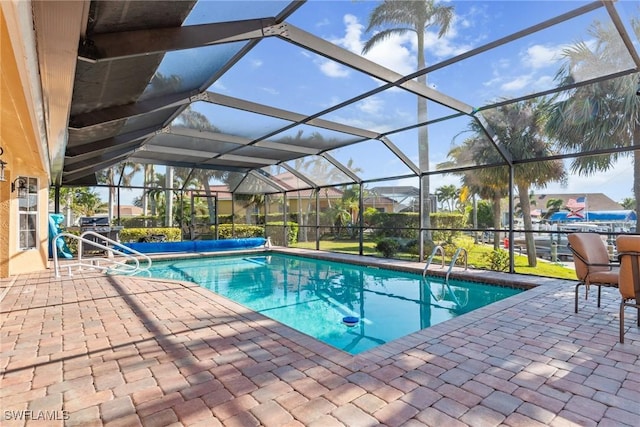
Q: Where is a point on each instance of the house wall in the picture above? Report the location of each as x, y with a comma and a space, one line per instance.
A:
20, 148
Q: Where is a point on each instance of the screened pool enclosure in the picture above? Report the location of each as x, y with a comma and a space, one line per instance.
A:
338, 125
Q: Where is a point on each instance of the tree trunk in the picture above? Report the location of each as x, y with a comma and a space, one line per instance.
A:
525, 206
496, 222
636, 173
168, 197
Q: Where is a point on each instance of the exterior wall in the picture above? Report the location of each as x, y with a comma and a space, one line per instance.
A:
21, 153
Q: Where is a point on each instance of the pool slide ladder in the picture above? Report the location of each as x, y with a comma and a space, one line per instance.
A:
455, 257
118, 257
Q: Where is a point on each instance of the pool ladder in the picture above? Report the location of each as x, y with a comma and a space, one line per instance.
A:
439, 248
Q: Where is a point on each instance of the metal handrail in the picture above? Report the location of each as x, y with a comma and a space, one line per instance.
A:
453, 262
438, 248
113, 265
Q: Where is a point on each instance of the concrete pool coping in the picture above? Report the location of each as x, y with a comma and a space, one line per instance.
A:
115, 350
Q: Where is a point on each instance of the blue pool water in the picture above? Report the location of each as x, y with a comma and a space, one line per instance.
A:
314, 296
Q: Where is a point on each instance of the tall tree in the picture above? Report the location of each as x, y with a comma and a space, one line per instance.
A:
553, 206
195, 120
520, 130
109, 177
490, 183
396, 18
448, 196
599, 116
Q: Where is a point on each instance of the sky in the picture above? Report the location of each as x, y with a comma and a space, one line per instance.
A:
289, 77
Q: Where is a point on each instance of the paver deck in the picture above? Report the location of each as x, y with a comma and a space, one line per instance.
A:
92, 350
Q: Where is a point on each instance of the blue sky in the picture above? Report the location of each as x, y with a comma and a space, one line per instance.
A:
287, 76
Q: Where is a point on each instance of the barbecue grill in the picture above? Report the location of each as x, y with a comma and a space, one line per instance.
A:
100, 225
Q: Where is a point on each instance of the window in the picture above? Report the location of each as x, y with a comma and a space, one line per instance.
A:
28, 216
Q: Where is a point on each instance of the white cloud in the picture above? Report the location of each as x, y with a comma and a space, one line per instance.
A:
256, 63
323, 23
608, 183
539, 56
219, 86
516, 83
371, 105
332, 69
271, 90
390, 53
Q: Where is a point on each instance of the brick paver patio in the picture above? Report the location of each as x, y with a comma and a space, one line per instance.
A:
93, 350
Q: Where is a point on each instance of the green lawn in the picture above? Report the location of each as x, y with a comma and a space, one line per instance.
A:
475, 257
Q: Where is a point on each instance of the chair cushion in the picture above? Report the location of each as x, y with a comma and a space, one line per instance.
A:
605, 278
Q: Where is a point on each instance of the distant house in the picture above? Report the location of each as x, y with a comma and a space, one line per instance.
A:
405, 198
130, 210
300, 200
592, 201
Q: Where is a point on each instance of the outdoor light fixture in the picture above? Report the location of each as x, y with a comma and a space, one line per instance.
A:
2, 165
22, 187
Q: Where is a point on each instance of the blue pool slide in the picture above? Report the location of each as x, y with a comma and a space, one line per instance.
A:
61, 246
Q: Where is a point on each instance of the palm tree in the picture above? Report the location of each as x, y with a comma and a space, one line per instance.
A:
87, 202
517, 209
490, 183
448, 195
196, 120
628, 203
108, 177
395, 18
520, 129
553, 206
602, 115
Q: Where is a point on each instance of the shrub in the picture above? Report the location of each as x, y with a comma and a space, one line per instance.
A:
226, 231
411, 247
274, 230
137, 234
497, 260
401, 225
388, 247
444, 220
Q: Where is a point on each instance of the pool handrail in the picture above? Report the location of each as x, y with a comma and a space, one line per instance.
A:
436, 249
453, 262
130, 266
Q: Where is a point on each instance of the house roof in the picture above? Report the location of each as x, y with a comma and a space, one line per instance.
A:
593, 201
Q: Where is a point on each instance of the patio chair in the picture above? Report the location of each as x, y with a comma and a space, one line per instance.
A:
629, 256
592, 263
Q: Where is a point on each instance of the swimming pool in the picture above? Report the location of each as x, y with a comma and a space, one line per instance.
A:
314, 296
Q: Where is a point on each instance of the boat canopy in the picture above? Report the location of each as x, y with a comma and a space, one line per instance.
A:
602, 216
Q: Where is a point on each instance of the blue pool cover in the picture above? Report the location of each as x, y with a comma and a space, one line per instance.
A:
198, 245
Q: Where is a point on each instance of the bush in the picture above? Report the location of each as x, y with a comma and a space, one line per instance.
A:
402, 225
445, 220
388, 247
138, 234
497, 260
411, 247
226, 231
274, 230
